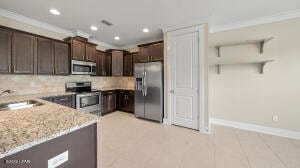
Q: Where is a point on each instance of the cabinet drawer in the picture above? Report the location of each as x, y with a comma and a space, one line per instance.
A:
64, 100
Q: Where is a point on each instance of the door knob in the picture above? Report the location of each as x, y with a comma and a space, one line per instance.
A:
172, 91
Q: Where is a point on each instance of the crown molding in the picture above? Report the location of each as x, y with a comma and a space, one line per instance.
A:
103, 44
263, 20
81, 34
33, 22
192, 23
125, 47
52, 28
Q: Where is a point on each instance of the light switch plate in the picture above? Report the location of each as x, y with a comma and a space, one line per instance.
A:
58, 160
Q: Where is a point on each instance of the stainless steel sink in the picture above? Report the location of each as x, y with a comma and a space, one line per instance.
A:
19, 105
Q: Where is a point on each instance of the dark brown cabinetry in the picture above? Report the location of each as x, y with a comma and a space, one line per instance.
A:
62, 59
45, 56
65, 100
144, 55
150, 52
126, 101
78, 50
5, 50
103, 61
81, 49
157, 52
109, 102
128, 65
117, 63
26, 53
23, 53
90, 51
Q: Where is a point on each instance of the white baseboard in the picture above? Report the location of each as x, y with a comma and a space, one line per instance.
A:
256, 128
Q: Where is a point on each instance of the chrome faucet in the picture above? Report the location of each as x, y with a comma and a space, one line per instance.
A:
6, 91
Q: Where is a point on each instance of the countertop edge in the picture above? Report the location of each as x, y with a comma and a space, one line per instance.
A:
45, 139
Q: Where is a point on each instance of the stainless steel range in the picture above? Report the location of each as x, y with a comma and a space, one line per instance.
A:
87, 100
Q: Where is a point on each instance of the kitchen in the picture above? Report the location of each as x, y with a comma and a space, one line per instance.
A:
151, 84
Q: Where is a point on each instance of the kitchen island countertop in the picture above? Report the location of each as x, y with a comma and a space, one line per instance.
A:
23, 128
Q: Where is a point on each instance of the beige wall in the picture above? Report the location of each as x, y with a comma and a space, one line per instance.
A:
241, 94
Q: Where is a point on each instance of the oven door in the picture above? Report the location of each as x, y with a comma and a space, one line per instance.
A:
83, 68
90, 102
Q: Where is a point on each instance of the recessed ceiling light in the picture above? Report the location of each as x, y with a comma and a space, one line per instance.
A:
145, 30
117, 38
54, 11
94, 28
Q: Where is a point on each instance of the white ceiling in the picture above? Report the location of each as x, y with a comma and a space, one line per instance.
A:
131, 16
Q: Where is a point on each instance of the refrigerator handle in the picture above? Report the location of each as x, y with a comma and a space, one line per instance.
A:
145, 84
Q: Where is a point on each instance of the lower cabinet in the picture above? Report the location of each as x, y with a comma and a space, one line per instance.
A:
126, 101
65, 100
109, 102
114, 100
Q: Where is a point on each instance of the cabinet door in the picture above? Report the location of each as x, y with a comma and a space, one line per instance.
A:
121, 100
144, 55
107, 65
117, 63
45, 56
90, 52
62, 59
100, 61
157, 52
23, 52
112, 102
105, 108
78, 50
131, 101
128, 65
5, 51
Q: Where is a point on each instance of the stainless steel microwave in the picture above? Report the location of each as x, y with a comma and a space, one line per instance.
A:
83, 68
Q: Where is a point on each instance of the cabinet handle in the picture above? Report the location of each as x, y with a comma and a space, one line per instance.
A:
9, 68
14, 67
63, 99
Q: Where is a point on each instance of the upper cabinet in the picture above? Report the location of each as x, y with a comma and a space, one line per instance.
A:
78, 50
81, 49
62, 58
5, 50
150, 52
144, 54
23, 53
45, 56
157, 52
128, 64
90, 52
26, 53
117, 63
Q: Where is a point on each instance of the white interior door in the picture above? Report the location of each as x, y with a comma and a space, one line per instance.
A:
183, 55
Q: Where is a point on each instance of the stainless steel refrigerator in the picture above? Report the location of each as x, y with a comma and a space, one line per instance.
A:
148, 100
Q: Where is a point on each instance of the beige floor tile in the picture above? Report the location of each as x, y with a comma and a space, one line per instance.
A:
128, 142
285, 149
257, 152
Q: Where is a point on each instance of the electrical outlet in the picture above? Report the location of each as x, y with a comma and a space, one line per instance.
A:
275, 118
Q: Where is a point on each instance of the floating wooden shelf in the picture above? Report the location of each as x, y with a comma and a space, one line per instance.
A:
261, 63
261, 43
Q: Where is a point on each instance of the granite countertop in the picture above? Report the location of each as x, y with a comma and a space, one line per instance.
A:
24, 128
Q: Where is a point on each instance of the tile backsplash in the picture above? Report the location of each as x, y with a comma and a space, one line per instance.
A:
32, 84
